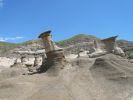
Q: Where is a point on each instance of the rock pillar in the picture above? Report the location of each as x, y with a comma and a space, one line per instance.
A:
111, 46
46, 37
96, 44
55, 55
110, 43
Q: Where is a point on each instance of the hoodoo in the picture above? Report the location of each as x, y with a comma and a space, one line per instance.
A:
111, 46
106, 46
109, 43
55, 55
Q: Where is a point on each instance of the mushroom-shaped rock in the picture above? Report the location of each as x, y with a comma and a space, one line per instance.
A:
55, 55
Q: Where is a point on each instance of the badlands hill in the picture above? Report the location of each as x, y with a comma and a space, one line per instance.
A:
72, 45
107, 77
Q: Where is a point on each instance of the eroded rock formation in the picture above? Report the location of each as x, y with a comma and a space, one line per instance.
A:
98, 51
109, 43
105, 46
55, 55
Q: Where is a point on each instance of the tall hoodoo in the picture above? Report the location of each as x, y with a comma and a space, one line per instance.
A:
107, 45
110, 43
96, 44
46, 37
55, 55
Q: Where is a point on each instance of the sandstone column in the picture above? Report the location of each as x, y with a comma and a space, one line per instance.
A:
55, 55
110, 43
96, 45
46, 37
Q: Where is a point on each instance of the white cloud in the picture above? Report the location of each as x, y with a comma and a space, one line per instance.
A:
2, 39
19, 37
1, 3
10, 38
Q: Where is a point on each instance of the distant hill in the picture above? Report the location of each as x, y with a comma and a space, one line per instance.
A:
125, 45
76, 39
71, 44
6, 46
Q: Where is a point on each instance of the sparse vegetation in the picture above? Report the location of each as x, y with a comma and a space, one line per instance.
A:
5, 46
31, 42
9, 44
130, 55
73, 38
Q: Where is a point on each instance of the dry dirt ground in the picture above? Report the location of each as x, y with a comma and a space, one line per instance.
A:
108, 77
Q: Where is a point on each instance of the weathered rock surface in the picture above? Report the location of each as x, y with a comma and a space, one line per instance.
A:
54, 55
6, 62
108, 77
71, 45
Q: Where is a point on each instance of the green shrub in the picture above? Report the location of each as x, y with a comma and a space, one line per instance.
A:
130, 56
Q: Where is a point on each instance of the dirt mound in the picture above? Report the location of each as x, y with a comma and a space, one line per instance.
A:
11, 72
106, 78
112, 67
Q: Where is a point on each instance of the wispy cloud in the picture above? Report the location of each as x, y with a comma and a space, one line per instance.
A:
4, 39
1, 3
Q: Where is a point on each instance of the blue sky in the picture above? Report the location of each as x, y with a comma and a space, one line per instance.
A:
22, 20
